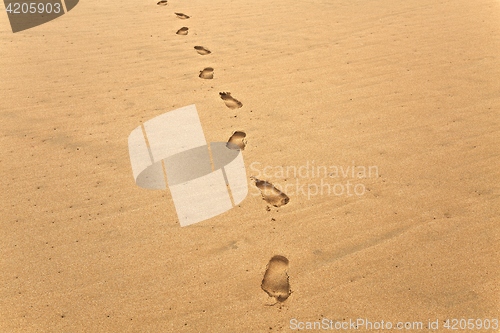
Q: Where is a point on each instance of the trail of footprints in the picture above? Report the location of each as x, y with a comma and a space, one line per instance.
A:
276, 281
207, 73
269, 192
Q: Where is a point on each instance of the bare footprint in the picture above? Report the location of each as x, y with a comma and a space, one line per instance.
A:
162, 3
201, 50
237, 141
207, 73
181, 16
182, 31
230, 101
270, 193
276, 281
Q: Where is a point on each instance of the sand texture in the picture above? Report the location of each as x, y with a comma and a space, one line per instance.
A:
399, 98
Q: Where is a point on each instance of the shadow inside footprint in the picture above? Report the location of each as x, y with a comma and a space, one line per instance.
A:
162, 3
271, 194
237, 141
207, 73
201, 50
181, 16
276, 281
182, 31
230, 101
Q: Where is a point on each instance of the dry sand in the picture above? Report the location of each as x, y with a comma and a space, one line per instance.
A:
410, 87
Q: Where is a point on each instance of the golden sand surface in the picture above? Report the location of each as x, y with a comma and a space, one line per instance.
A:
409, 90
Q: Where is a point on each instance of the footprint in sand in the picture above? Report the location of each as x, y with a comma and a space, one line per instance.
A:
201, 50
230, 101
207, 73
237, 141
182, 31
181, 16
276, 282
270, 193
162, 3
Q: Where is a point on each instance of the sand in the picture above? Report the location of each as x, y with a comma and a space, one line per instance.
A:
406, 94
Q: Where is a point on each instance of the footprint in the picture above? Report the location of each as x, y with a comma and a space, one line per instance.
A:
182, 31
182, 16
276, 282
237, 141
231, 102
271, 194
162, 3
201, 50
207, 73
